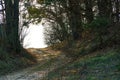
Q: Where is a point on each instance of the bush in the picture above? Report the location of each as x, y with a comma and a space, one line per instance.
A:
10, 62
98, 24
99, 29
4, 55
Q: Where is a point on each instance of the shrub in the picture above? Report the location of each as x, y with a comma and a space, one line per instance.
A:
97, 24
4, 55
9, 62
99, 28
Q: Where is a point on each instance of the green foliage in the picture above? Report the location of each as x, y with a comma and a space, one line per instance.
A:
33, 10
48, 2
118, 67
91, 78
40, 1
81, 49
89, 48
74, 15
9, 62
98, 24
5, 62
101, 66
35, 13
4, 55
57, 34
99, 28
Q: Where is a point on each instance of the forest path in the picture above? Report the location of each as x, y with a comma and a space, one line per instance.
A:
48, 60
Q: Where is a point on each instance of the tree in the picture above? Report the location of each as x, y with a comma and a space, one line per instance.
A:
104, 7
12, 22
88, 10
2, 25
70, 16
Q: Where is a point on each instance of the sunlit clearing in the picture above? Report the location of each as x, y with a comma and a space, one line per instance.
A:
34, 37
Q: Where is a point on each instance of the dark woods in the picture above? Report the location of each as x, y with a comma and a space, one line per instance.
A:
9, 32
79, 19
78, 26
10, 22
72, 20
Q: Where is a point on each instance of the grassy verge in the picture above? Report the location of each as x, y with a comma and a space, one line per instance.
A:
10, 63
105, 65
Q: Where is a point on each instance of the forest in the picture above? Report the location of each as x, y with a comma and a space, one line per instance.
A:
83, 39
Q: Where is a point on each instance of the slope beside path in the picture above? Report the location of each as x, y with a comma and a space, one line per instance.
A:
47, 59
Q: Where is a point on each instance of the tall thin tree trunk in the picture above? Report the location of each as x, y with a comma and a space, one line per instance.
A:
75, 18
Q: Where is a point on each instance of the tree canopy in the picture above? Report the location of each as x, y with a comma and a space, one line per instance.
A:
76, 19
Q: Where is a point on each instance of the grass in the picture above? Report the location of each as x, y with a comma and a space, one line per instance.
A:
105, 65
45, 65
102, 64
10, 63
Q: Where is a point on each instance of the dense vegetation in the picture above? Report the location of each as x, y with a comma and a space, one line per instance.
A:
94, 23
100, 65
78, 20
12, 55
78, 28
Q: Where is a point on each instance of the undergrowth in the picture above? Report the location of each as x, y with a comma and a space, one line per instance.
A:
10, 62
104, 65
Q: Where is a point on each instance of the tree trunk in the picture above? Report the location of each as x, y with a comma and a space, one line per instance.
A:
75, 18
88, 11
12, 21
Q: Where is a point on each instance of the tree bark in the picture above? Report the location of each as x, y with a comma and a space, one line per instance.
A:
75, 18
12, 21
88, 11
